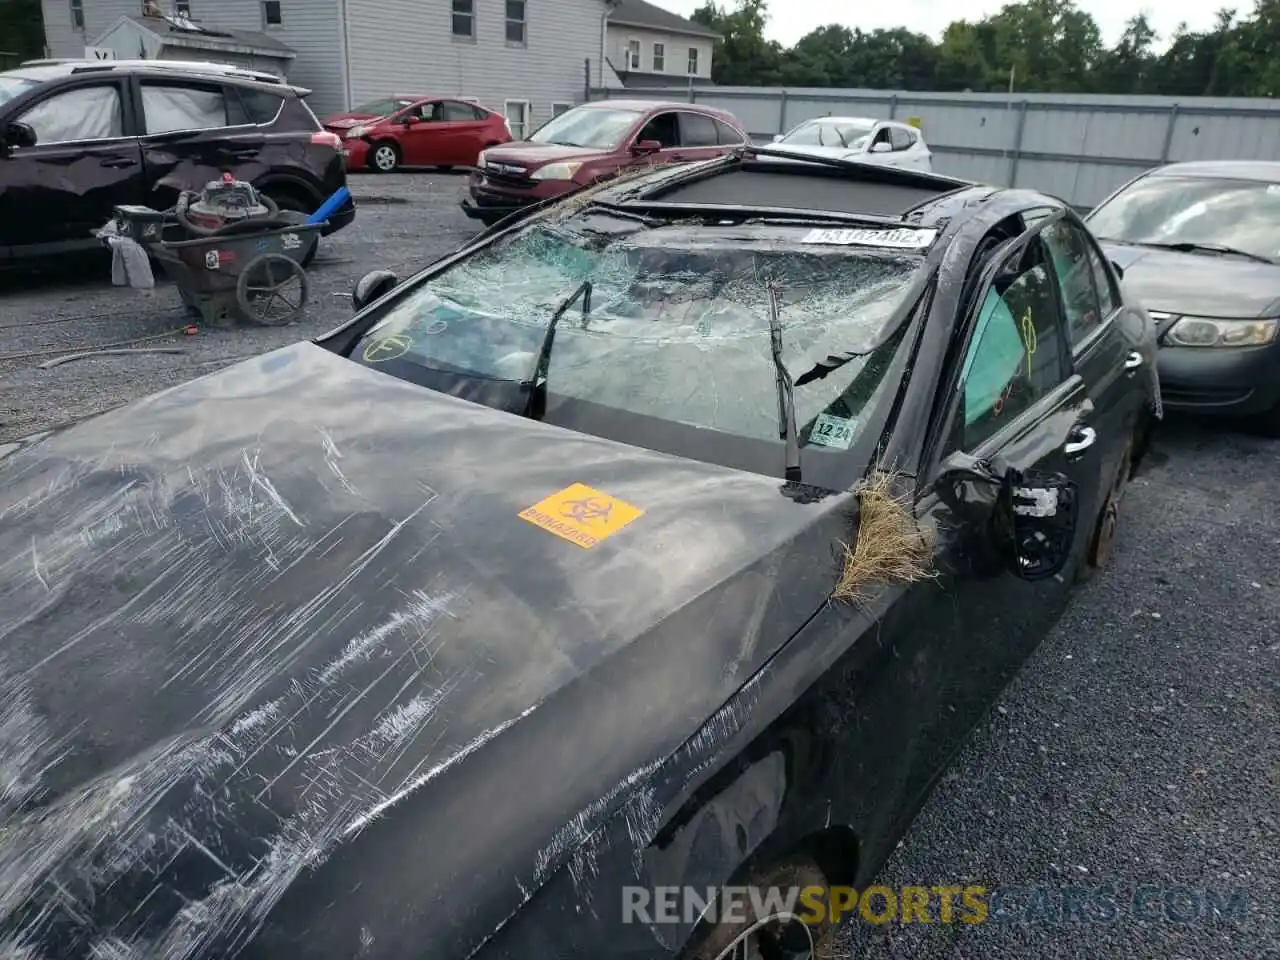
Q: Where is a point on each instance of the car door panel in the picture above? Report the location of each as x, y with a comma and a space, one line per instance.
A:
53, 194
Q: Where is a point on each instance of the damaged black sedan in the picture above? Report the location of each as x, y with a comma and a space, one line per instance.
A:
672, 538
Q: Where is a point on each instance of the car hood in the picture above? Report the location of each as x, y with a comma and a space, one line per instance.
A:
1171, 281
529, 155
279, 639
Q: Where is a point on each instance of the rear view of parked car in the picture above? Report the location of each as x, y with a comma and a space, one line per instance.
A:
594, 142
79, 138
1199, 246
424, 132
860, 138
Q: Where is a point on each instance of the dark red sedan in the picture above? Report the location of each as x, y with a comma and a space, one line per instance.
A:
432, 132
591, 143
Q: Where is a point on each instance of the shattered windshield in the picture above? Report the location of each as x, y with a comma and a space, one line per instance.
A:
830, 133
676, 328
601, 128
1241, 214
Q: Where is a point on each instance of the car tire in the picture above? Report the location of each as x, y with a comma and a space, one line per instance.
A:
384, 157
797, 872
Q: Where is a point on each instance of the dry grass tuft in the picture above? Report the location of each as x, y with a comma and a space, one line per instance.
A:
890, 548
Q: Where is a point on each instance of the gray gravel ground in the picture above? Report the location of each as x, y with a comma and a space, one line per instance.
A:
1140, 746
403, 221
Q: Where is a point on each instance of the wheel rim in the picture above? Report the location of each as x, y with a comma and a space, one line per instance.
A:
775, 938
276, 291
384, 158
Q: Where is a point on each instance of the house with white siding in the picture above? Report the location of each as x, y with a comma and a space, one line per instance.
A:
648, 46
530, 59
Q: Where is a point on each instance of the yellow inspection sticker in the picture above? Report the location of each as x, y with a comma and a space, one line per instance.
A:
581, 515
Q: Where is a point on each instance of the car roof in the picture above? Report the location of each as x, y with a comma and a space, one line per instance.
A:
44, 70
1264, 171
651, 106
844, 120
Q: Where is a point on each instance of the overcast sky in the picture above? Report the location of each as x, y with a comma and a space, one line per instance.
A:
789, 20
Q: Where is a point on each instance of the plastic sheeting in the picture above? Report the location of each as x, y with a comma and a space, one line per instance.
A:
679, 321
87, 113
170, 109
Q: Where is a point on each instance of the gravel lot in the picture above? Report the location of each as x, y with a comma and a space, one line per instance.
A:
1138, 747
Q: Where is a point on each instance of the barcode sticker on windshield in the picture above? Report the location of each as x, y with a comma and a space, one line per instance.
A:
832, 431
900, 239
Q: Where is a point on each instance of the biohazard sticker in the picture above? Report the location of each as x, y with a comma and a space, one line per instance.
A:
899, 239
581, 515
832, 431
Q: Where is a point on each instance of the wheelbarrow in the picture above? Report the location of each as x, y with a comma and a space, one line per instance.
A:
246, 271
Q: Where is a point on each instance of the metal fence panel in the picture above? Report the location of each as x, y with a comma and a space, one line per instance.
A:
1078, 147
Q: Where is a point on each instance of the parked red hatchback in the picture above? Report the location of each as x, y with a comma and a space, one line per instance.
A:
591, 143
431, 132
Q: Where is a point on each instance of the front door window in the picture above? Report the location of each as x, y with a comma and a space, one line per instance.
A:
85, 113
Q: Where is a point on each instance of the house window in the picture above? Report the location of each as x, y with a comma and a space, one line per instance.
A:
517, 113
77, 14
182, 7
271, 13
659, 57
515, 21
693, 61
559, 108
464, 18
633, 54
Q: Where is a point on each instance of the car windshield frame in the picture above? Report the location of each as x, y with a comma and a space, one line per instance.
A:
855, 358
818, 123
570, 135
13, 87
1180, 209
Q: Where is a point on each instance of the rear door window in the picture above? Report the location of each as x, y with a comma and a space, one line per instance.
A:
900, 139
169, 107
727, 135
697, 130
245, 106
85, 113
455, 112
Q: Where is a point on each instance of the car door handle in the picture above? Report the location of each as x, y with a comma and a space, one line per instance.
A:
1082, 438
1133, 361
118, 163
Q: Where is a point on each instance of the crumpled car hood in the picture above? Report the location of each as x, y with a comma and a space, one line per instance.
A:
250, 621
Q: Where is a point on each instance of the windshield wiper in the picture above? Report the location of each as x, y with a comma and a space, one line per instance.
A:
535, 406
1209, 248
787, 430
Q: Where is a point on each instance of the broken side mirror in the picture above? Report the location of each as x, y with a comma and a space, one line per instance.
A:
881, 147
372, 286
1029, 517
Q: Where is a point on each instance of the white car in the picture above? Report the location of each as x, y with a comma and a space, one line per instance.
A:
859, 138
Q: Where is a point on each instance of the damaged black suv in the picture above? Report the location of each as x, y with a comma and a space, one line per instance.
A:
672, 537
79, 138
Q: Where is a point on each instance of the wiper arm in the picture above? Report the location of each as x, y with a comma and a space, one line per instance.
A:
1210, 248
535, 406
787, 430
